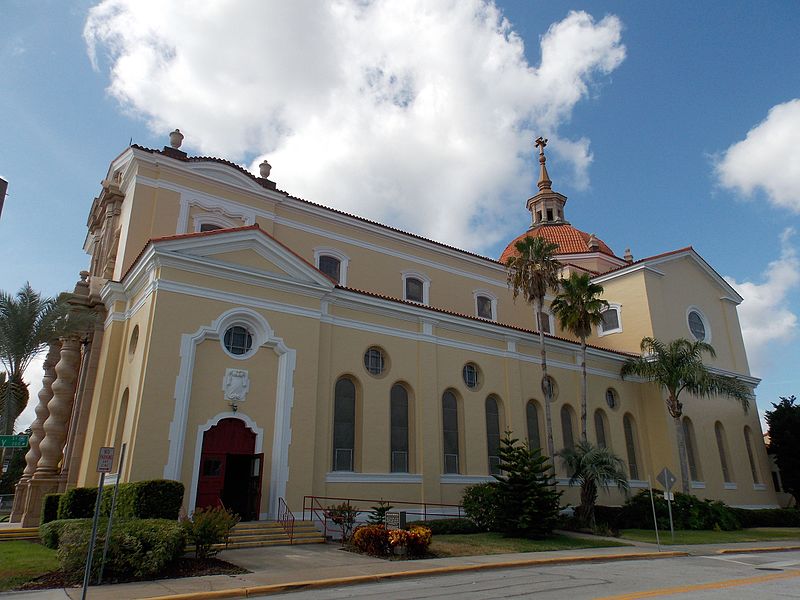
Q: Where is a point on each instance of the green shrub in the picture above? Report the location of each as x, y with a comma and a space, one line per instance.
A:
450, 526
50, 508
77, 503
378, 514
480, 502
608, 517
50, 533
371, 539
151, 499
768, 517
344, 515
688, 512
138, 549
207, 527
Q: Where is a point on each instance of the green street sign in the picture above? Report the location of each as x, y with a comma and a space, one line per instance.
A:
13, 441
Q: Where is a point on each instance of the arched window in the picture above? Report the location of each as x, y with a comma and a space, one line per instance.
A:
344, 425
600, 428
450, 432
331, 266
414, 289
567, 427
748, 442
493, 434
611, 320
209, 227
532, 417
691, 450
631, 444
719, 432
399, 428
543, 322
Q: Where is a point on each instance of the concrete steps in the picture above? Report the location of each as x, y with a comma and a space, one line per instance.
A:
29, 534
257, 534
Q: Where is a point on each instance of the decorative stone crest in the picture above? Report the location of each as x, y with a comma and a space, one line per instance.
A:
236, 384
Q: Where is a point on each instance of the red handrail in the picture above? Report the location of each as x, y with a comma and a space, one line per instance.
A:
286, 519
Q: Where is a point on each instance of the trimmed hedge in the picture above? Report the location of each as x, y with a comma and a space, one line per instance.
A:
450, 526
50, 508
50, 533
688, 512
77, 503
768, 517
138, 549
152, 499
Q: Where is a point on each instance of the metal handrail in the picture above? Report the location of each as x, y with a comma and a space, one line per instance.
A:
286, 519
313, 505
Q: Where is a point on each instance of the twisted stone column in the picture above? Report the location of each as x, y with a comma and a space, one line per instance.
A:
60, 408
37, 429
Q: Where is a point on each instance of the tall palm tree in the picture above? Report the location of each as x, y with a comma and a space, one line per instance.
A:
592, 467
578, 307
532, 271
28, 322
676, 367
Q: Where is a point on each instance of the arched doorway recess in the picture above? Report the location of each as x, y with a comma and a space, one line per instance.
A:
230, 470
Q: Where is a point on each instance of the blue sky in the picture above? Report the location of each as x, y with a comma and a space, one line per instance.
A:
648, 121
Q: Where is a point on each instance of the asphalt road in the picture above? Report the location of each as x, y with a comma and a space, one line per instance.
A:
732, 577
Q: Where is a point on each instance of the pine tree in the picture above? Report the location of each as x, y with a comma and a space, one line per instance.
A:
528, 505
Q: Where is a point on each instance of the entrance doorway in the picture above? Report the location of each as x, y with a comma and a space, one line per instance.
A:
230, 471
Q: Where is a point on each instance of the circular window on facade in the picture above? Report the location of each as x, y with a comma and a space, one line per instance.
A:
375, 361
471, 375
697, 325
133, 343
612, 398
237, 340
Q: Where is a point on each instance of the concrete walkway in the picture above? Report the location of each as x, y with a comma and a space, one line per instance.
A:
316, 565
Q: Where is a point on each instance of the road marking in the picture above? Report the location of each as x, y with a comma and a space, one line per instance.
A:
715, 585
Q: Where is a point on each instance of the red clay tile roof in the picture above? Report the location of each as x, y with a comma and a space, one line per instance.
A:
569, 240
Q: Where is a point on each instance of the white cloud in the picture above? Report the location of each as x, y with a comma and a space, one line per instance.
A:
765, 315
768, 158
33, 377
415, 113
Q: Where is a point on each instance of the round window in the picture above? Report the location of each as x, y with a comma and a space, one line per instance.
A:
471, 373
374, 361
697, 325
611, 398
134, 342
238, 340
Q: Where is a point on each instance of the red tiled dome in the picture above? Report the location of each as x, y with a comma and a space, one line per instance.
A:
569, 240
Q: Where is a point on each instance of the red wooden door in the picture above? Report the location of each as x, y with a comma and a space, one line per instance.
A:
229, 436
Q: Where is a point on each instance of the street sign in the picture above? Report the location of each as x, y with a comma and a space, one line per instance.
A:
105, 460
13, 441
666, 479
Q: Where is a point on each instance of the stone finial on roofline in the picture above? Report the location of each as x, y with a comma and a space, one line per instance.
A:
593, 244
628, 256
264, 169
176, 139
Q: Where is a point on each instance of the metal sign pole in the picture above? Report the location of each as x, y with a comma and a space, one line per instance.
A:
668, 494
111, 514
88, 568
655, 519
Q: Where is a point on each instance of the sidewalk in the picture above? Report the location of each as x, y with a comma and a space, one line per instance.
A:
312, 564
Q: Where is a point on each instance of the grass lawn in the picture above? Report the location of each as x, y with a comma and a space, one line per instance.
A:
757, 534
23, 561
494, 543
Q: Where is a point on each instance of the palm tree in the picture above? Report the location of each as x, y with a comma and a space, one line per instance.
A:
678, 366
531, 272
28, 322
592, 467
578, 307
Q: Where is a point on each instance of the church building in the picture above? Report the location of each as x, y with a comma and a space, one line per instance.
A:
260, 348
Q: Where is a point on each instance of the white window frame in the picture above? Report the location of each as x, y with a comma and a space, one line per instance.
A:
703, 318
253, 323
426, 286
209, 218
618, 329
487, 294
550, 320
344, 260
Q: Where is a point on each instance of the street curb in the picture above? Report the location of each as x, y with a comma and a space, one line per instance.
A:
321, 583
759, 549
